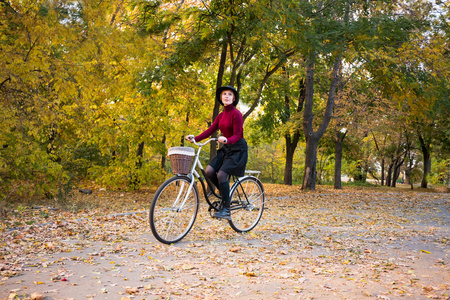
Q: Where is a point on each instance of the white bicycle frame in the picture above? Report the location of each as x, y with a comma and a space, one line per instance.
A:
192, 174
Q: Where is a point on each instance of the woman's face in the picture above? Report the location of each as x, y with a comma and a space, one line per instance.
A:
227, 97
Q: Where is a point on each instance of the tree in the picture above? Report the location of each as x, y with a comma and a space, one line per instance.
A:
312, 137
292, 139
412, 72
35, 42
68, 74
237, 33
282, 102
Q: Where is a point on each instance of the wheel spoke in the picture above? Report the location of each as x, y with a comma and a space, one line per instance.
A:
249, 196
173, 210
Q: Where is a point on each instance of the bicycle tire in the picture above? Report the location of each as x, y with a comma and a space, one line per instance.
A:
168, 223
247, 204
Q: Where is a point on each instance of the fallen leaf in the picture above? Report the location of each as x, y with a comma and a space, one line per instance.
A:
118, 248
367, 294
235, 249
12, 296
37, 296
132, 290
187, 267
428, 288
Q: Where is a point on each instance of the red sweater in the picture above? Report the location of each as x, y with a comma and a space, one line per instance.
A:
230, 123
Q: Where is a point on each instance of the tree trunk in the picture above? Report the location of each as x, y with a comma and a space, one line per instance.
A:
409, 169
163, 157
183, 137
382, 160
398, 163
361, 177
140, 155
320, 165
309, 179
395, 171
426, 161
116, 12
338, 139
389, 174
291, 143
448, 177
223, 58
312, 138
134, 180
289, 162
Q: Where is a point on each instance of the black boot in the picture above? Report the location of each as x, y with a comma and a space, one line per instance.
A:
224, 212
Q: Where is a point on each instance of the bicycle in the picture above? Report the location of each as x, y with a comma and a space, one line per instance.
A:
175, 205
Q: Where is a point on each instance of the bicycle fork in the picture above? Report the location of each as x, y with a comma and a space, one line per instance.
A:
180, 195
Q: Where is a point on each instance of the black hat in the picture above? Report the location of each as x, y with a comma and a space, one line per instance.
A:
225, 88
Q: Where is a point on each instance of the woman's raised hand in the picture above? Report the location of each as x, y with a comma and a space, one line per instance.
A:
190, 138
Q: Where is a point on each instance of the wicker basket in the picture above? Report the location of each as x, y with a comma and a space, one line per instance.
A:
181, 159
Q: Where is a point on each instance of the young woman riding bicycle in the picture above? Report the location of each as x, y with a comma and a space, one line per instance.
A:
232, 157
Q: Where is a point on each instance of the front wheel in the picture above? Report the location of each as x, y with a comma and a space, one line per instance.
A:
174, 209
247, 204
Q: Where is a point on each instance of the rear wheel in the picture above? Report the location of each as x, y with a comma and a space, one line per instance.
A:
174, 209
247, 204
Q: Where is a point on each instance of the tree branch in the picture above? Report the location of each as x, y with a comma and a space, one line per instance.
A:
331, 96
265, 79
325, 7
4, 81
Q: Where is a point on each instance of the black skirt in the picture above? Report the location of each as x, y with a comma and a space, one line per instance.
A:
231, 159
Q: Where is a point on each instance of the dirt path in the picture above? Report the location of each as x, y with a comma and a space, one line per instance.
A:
324, 245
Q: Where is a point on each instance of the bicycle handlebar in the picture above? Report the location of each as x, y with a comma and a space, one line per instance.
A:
205, 143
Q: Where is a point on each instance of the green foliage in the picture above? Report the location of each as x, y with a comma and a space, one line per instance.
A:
440, 171
358, 184
269, 159
100, 89
325, 167
356, 170
25, 161
128, 177
63, 81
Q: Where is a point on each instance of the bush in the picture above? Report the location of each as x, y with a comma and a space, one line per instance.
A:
126, 177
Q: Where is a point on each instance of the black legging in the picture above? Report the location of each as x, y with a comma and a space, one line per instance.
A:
220, 180
216, 178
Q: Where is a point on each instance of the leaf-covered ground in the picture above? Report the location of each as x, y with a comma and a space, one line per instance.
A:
326, 244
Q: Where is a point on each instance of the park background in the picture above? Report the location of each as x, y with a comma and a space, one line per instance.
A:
94, 92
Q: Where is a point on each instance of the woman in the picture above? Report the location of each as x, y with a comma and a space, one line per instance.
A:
231, 159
